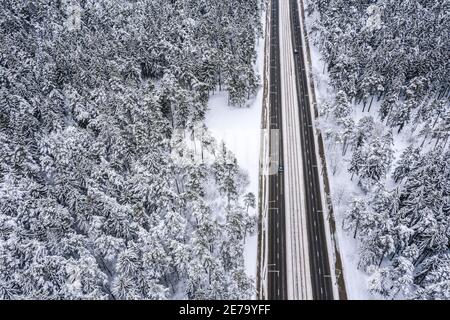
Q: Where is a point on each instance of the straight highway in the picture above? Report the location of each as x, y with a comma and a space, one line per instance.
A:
298, 263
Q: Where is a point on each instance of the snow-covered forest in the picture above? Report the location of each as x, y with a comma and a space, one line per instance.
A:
102, 196
386, 124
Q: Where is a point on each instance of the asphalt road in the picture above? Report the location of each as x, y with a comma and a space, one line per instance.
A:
298, 266
276, 216
319, 262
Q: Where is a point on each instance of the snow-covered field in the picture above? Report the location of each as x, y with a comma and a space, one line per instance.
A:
240, 129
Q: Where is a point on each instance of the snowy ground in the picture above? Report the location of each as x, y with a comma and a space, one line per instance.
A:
240, 129
343, 189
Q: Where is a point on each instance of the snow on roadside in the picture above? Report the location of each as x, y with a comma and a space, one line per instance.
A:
341, 188
240, 129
